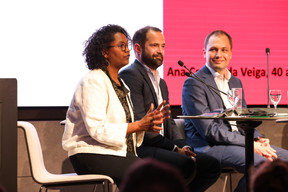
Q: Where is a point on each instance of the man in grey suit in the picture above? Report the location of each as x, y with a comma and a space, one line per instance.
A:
147, 87
218, 138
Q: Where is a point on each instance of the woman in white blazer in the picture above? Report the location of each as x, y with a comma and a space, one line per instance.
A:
100, 133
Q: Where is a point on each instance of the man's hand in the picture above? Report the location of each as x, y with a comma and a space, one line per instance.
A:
187, 151
264, 140
263, 148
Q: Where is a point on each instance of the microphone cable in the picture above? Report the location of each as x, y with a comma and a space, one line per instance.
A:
194, 76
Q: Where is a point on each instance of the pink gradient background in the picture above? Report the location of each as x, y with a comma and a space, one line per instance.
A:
254, 26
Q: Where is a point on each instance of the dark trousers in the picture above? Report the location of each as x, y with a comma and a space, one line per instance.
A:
206, 169
113, 166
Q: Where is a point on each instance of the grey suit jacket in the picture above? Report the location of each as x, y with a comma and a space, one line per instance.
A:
197, 99
142, 95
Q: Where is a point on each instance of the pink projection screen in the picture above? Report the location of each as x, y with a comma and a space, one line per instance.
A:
254, 26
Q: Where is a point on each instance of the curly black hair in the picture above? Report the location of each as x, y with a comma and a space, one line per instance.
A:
98, 42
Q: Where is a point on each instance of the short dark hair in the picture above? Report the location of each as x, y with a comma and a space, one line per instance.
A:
217, 33
140, 35
98, 42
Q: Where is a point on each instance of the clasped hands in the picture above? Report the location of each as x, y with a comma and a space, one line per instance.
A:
154, 118
263, 148
186, 150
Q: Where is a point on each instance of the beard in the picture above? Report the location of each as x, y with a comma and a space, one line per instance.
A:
151, 61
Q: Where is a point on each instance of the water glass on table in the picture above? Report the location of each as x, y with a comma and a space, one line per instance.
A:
275, 97
235, 99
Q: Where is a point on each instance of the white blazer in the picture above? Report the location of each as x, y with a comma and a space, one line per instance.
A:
96, 120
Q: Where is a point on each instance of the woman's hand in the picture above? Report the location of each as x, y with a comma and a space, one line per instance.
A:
162, 108
151, 121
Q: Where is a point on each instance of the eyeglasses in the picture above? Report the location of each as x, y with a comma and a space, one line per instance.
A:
123, 46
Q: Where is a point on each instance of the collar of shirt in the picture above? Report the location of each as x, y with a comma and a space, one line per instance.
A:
215, 74
222, 84
155, 80
118, 88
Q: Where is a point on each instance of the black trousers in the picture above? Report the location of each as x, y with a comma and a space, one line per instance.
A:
206, 168
113, 166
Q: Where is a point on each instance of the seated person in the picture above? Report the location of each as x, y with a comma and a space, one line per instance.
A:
100, 134
219, 138
146, 86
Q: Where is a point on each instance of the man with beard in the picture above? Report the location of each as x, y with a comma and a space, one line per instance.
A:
146, 87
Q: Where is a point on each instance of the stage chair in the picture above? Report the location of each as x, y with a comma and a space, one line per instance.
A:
228, 175
180, 123
55, 181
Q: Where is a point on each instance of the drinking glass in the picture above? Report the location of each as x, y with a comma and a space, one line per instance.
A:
235, 99
275, 97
